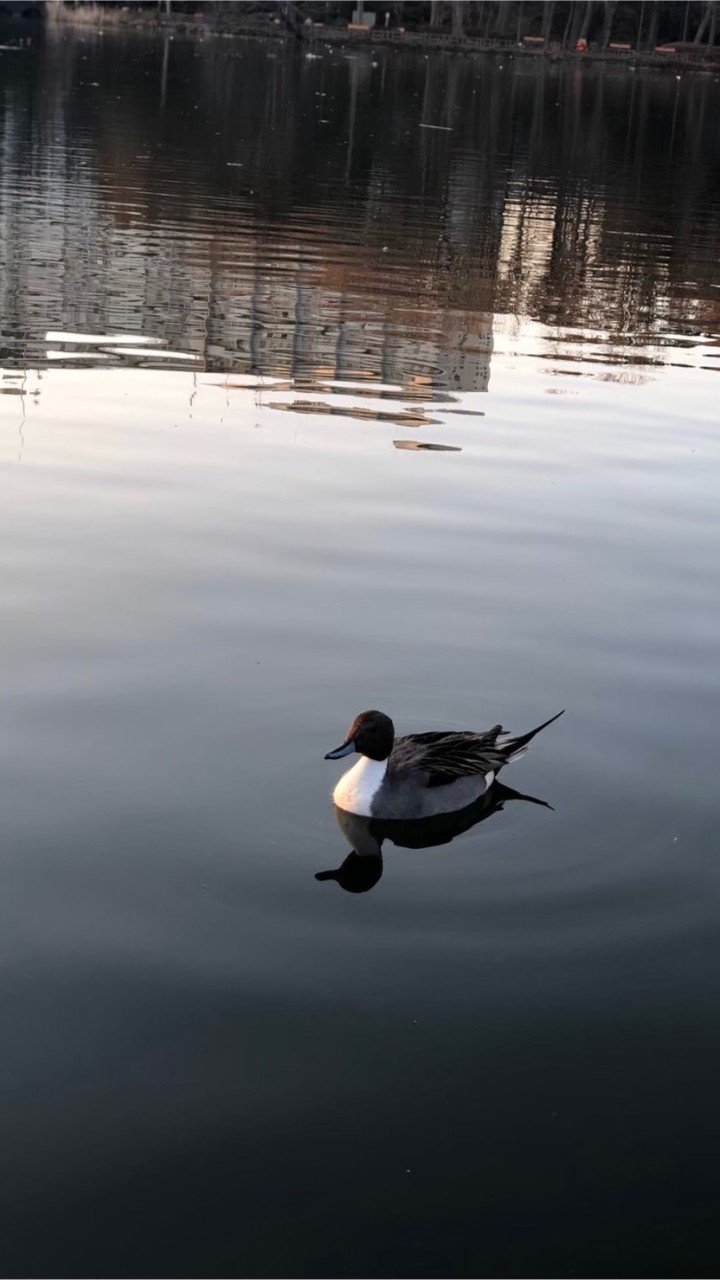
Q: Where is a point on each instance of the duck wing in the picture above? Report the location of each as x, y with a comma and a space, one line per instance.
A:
445, 757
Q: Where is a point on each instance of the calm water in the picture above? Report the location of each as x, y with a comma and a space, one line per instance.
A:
220, 543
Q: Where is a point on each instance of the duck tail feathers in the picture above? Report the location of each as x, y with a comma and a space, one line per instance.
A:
517, 745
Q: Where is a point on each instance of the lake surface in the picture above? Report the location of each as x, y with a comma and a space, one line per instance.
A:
241, 283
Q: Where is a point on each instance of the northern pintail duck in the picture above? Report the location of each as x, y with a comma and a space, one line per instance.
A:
423, 773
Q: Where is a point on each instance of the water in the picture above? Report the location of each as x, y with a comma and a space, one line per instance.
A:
501, 1058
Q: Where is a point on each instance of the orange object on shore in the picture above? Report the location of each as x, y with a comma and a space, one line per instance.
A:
581, 46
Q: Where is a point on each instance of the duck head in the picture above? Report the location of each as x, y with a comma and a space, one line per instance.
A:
371, 733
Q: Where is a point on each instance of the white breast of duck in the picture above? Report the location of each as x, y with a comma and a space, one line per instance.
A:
357, 788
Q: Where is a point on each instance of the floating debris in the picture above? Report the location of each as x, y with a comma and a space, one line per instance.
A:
427, 444
403, 417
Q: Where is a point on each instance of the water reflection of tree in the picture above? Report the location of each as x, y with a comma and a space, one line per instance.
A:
288, 185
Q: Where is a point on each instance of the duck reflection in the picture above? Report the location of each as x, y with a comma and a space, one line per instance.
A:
363, 867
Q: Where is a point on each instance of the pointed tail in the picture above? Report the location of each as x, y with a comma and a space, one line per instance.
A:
517, 744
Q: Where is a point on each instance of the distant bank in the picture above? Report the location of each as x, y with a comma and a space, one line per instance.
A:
293, 22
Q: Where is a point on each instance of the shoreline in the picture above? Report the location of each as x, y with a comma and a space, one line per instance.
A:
440, 42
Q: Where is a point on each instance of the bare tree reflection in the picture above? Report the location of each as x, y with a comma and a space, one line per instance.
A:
303, 221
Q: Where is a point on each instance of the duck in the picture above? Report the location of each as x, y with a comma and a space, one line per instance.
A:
421, 774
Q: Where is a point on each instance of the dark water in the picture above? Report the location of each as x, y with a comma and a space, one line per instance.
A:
502, 1058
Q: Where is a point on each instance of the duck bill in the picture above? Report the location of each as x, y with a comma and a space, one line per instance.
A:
345, 749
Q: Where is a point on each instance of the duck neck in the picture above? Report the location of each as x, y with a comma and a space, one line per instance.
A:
372, 768
357, 789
